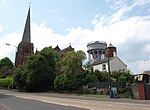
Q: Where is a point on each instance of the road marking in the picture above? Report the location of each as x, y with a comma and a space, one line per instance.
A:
5, 107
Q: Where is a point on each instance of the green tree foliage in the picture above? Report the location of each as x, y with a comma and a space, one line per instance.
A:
39, 78
102, 76
71, 63
5, 82
62, 83
6, 67
68, 83
91, 77
122, 76
6, 62
51, 57
38, 72
88, 66
20, 78
72, 75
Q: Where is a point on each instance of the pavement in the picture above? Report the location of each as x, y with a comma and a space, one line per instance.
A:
83, 102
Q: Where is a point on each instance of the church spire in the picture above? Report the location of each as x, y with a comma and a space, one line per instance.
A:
26, 34
25, 47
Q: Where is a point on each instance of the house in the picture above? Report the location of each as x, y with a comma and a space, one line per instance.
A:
115, 65
99, 55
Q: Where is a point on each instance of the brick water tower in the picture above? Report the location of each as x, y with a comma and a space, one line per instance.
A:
111, 51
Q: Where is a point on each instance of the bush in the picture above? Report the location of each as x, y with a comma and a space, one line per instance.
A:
61, 83
125, 92
91, 77
5, 82
68, 83
35, 75
20, 77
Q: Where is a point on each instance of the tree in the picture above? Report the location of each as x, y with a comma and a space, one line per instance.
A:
38, 71
71, 75
122, 76
40, 77
51, 57
6, 62
20, 78
91, 77
101, 76
72, 63
88, 66
62, 83
6, 67
68, 83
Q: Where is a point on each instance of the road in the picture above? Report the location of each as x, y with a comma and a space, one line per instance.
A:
8, 102
35, 101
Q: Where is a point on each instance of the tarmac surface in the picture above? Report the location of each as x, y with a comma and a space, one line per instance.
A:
88, 103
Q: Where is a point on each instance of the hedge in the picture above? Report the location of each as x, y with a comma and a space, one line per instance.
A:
5, 82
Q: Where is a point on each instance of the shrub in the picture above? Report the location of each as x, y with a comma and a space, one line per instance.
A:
68, 83
20, 77
91, 77
125, 92
5, 82
61, 83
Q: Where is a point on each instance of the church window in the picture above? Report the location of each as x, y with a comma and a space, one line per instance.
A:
26, 50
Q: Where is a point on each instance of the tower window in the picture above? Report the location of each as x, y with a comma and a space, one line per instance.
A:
26, 50
104, 66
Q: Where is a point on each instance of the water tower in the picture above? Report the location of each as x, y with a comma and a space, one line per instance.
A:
96, 49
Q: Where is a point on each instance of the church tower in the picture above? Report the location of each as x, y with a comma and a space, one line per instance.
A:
25, 47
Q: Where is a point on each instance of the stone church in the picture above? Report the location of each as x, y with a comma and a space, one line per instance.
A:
25, 47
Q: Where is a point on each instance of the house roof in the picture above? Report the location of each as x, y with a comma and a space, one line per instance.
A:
106, 60
102, 61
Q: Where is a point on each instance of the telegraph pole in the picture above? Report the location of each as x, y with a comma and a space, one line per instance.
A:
109, 73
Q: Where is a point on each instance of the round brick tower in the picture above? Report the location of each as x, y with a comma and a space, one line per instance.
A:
111, 51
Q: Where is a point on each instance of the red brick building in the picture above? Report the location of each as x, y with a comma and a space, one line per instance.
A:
25, 47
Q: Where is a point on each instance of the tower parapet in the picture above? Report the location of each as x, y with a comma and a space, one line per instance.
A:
97, 50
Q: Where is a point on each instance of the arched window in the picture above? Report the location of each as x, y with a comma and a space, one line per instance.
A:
26, 50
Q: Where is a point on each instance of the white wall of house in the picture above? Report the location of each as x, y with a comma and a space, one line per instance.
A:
115, 65
100, 67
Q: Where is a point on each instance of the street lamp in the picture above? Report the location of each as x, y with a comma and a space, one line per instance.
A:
14, 62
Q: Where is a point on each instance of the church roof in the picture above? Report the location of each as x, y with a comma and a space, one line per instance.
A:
26, 34
57, 48
69, 48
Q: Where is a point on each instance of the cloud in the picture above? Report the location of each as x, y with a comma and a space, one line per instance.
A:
131, 35
9, 51
139, 66
1, 28
141, 2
